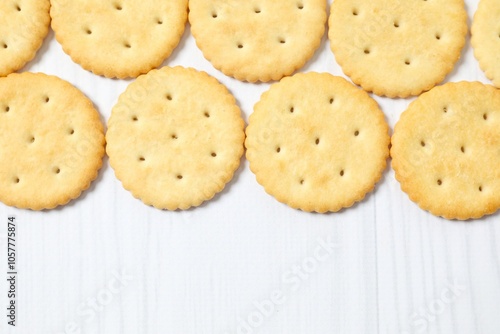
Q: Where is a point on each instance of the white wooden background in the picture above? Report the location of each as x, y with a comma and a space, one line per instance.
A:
244, 263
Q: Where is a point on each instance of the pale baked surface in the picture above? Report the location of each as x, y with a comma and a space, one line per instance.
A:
397, 48
317, 143
23, 27
123, 38
446, 150
175, 138
257, 40
486, 38
51, 141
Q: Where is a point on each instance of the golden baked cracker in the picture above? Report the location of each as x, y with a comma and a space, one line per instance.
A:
486, 38
257, 40
446, 150
51, 141
23, 27
122, 38
397, 48
175, 138
316, 142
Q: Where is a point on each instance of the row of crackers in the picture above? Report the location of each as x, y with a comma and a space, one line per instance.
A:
315, 142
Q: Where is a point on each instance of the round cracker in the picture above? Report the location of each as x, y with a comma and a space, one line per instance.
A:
316, 142
51, 141
24, 27
397, 48
123, 38
486, 38
175, 138
255, 40
445, 150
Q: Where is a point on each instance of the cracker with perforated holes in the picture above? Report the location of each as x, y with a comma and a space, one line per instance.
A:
486, 38
317, 143
24, 25
51, 141
121, 38
175, 138
446, 150
257, 40
397, 48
